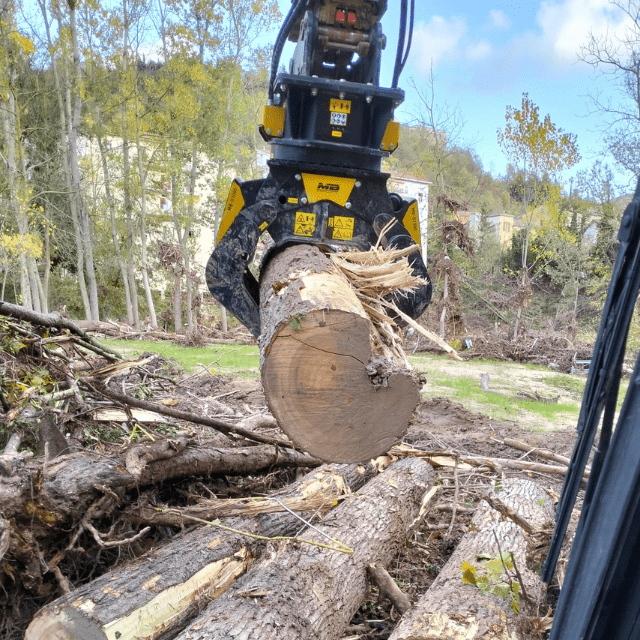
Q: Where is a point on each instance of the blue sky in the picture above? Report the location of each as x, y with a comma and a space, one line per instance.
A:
486, 54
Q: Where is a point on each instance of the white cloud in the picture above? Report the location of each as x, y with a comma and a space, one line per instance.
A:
436, 40
566, 26
479, 50
498, 19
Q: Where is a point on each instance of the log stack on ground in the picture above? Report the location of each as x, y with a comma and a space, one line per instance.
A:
304, 591
480, 591
337, 392
158, 594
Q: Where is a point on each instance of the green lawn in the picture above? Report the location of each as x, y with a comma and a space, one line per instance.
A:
232, 360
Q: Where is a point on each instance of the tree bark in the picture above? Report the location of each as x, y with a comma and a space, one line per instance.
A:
112, 219
301, 591
158, 594
76, 107
314, 353
454, 609
72, 482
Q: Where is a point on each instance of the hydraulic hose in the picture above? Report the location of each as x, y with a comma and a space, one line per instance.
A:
295, 12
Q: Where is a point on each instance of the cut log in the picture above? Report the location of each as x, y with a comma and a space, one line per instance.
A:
156, 595
72, 482
454, 607
302, 591
314, 351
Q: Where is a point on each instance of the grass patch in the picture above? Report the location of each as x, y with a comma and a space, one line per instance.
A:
501, 407
569, 383
233, 360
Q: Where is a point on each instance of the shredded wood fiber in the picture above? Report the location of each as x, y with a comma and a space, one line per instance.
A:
374, 275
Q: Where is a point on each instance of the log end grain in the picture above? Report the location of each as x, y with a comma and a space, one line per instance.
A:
318, 389
64, 624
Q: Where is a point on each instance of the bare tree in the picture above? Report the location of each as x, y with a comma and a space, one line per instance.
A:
443, 125
618, 58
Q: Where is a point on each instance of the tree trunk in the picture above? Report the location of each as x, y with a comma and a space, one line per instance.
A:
161, 592
314, 354
301, 591
83, 215
454, 609
445, 295
114, 231
71, 483
63, 92
126, 170
142, 176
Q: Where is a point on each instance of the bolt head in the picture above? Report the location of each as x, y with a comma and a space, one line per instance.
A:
298, 176
303, 200
348, 205
358, 184
268, 132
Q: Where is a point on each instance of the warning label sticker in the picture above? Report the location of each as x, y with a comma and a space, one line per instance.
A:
340, 106
411, 222
305, 224
342, 227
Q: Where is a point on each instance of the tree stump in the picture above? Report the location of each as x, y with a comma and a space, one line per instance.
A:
305, 592
457, 609
314, 352
156, 595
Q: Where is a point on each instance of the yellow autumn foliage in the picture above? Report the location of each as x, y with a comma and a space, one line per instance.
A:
16, 244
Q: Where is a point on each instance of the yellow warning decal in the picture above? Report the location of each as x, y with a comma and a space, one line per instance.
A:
342, 227
331, 188
340, 106
235, 203
272, 119
391, 136
411, 222
305, 224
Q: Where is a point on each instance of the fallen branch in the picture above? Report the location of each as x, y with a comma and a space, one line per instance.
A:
55, 320
388, 589
70, 483
219, 425
447, 458
536, 451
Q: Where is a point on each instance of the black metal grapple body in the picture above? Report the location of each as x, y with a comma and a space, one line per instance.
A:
329, 125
